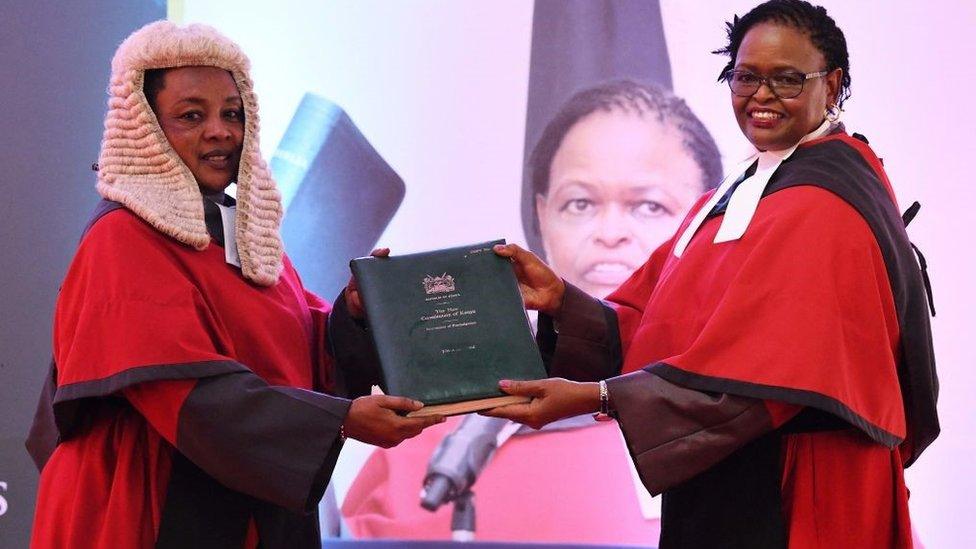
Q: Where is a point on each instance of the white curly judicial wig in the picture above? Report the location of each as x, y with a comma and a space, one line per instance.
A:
139, 168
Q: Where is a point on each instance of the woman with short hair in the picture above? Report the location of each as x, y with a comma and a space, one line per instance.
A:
782, 372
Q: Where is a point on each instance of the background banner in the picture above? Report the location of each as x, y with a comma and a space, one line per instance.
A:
55, 64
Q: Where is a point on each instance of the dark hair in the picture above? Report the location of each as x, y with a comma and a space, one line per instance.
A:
153, 81
629, 96
824, 33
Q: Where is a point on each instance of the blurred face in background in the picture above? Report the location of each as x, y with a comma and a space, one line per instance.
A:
619, 185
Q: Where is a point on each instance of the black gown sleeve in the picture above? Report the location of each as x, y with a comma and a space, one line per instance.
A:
672, 433
586, 346
279, 444
351, 346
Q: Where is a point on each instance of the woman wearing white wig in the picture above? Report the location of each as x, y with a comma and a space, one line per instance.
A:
187, 405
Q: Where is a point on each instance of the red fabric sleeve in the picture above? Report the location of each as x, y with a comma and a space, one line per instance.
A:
800, 310
125, 303
631, 298
781, 412
160, 402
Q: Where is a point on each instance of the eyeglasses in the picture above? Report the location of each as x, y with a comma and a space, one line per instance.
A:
784, 85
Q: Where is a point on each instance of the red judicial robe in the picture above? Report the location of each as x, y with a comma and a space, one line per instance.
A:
183, 400
783, 380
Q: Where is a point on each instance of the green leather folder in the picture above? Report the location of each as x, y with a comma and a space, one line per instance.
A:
447, 326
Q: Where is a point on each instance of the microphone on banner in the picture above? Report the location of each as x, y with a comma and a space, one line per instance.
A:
461, 457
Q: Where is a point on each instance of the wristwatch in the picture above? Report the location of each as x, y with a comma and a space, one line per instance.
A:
605, 413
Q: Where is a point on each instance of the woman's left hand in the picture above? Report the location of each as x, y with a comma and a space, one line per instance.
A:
354, 303
552, 399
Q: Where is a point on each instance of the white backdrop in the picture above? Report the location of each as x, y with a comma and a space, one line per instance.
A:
440, 88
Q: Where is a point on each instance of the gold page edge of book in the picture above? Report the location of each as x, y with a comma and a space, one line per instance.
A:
468, 406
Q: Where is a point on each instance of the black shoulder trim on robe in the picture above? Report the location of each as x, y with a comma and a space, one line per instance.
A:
731, 499
69, 400
767, 392
140, 374
57, 407
837, 166
44, 436
103, 207
211, 215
